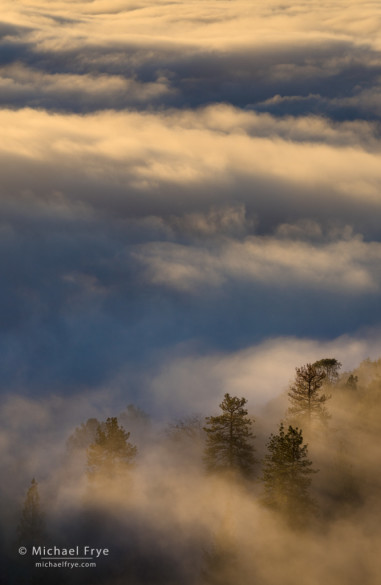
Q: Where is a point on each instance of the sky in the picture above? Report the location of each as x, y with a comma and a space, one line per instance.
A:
189, 198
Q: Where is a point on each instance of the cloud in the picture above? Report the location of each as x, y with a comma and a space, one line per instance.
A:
33, 439
108, 218
20, 85
143, 160
191, 56
185, 380
183, 174
189, 206
346, 267
197, 382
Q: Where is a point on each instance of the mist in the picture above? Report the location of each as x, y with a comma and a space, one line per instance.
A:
168, 520
189, 208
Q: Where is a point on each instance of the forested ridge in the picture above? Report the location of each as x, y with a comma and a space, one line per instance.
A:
217, 498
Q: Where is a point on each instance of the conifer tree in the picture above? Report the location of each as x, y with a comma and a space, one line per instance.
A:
331, 367
352, 382
30, 530
189, 428
229, 438
83, 436
307, 401
138, 422
111, 453
287, 475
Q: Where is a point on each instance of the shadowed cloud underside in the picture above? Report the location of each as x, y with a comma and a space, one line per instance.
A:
181, 182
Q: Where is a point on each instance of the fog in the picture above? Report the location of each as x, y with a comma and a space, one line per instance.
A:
189, 206
167, 519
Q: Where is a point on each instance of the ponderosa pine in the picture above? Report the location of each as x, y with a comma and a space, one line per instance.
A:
229, 442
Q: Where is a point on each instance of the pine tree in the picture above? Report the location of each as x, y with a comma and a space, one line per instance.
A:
187, 429
138, 422
331, 367
83, 436
287, 475
111, 453
307, 402
352, 382
30, 530
229, 438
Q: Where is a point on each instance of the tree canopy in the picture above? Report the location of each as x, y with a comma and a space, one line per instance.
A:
83, 435
111, 452
287, 475
229, 439
31, 526
307, 403
330, 367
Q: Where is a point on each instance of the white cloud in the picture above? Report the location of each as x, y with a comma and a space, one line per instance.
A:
219, 23
148, 151
260, 373
61, 90
345, 266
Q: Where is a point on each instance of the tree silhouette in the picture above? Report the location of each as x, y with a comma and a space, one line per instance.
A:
83, 435
138, 422
111, 453
189, 428
229, 438
307, 402
287, 475
352, 382
330, 367
30, 530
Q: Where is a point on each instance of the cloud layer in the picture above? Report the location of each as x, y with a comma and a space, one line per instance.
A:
200, 177
320, 57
